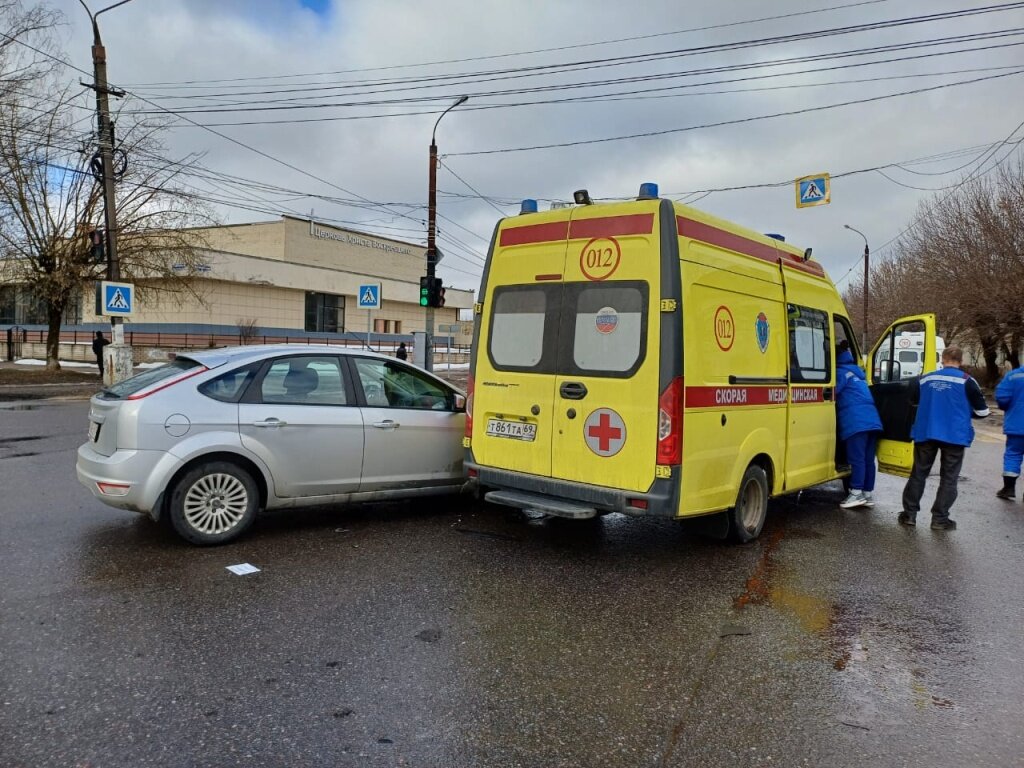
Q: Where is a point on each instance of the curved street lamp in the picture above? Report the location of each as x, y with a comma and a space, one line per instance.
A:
864, 320
428, 358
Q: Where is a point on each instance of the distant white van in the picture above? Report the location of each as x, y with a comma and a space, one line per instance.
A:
909, 351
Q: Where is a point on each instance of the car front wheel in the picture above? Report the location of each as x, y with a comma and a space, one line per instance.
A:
213, 503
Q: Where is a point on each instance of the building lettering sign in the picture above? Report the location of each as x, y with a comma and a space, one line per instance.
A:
347, 237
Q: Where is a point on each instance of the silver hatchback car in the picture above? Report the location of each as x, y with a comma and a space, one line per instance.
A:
214, 436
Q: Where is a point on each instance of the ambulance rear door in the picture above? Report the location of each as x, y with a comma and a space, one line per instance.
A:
514, 378
896, 394
606, 392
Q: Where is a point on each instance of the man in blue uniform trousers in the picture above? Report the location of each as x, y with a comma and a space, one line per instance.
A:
1010, 397
949, 399
859, 428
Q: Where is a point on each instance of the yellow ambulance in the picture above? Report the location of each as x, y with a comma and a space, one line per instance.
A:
644, 357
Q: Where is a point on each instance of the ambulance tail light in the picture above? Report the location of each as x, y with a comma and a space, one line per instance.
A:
670, 423
469, 406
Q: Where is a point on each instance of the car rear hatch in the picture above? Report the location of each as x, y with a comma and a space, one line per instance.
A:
107, 409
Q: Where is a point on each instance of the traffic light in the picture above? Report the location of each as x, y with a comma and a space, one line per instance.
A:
97, 251
431, 292
425, 291
439, 293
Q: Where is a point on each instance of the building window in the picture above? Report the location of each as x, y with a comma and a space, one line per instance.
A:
325, 312
20, 306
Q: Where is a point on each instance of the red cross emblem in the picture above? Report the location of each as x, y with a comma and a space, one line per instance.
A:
604, 432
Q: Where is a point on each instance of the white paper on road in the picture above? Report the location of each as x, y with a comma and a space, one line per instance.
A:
243, 568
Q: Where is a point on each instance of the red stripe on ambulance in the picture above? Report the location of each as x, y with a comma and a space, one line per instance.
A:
582, 229
698, 230
719, 397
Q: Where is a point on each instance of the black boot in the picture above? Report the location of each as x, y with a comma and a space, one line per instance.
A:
1008, 492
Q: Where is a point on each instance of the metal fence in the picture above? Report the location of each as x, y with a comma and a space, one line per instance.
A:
16, 337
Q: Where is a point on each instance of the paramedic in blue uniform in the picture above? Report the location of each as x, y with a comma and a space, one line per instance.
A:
859, 427
1010, 397
949, 399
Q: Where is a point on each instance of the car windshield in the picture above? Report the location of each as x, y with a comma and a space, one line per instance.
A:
145, 379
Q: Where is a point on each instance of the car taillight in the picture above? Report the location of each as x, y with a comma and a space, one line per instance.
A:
469, 406
670, 423
167, 383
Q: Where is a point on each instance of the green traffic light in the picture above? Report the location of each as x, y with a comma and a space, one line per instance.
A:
423, 301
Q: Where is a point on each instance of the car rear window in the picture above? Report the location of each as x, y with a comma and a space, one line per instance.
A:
148, 378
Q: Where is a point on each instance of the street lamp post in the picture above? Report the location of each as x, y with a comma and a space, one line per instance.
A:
117, 357
864, 320
428, 353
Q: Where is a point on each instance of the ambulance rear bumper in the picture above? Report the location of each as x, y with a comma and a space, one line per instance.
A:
661, 499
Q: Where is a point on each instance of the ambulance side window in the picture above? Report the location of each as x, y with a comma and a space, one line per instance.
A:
520, 326
810, 358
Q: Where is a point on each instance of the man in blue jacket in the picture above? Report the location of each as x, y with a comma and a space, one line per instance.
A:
859, 427
1010, 397
949, 399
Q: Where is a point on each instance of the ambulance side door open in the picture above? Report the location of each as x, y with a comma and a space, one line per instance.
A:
896, 396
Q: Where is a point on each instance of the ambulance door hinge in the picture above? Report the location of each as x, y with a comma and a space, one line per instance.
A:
669, 305
467, 442
478, 308
662, 470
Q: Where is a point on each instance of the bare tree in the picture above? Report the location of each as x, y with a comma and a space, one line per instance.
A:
50, 200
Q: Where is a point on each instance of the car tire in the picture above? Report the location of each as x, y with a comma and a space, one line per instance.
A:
213, 503
746, 518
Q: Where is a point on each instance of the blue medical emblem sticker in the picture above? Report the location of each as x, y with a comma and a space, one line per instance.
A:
762, 329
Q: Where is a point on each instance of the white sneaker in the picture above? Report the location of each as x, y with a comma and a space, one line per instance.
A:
869, 499
855, 499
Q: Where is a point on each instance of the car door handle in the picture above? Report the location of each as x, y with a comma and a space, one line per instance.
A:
271, 422
386, 424
572, 390
826, 393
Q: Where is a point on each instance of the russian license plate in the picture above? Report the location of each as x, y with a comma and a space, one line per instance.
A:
94, 431
515, 430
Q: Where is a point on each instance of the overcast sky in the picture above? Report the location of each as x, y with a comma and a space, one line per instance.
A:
288, 53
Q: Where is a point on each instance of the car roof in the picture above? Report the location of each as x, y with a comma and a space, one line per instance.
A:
213, 358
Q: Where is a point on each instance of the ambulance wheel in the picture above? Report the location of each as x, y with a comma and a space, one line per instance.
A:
746, 519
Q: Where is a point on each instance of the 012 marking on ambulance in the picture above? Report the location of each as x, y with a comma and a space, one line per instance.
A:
600, 258
604, 432
724, 328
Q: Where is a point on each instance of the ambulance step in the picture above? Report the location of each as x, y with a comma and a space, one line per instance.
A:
537, 503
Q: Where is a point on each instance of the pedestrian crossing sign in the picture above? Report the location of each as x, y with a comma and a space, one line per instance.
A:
115, 299
813, 190
369, 296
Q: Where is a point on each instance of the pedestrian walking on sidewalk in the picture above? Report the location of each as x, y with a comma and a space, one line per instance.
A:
97, 349
949, 398
403, 352
859, 428
1010, 397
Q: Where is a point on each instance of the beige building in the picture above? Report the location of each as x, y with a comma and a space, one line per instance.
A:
295, 274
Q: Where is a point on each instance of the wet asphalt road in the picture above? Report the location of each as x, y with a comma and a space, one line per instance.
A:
443, 633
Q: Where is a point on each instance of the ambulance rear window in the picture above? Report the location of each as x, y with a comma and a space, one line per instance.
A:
608, 330
518, 326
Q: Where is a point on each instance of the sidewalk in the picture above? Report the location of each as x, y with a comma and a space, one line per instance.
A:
32, 382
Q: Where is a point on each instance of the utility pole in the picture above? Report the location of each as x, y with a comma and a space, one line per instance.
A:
864, 322
428, 353
117, 357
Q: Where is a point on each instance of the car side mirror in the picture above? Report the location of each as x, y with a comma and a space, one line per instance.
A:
460, 403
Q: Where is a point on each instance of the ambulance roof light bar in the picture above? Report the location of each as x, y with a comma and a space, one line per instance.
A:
527, 206
775, 236
582, 197
648, 191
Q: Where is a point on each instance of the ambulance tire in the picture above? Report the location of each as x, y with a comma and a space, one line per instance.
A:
746, 518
